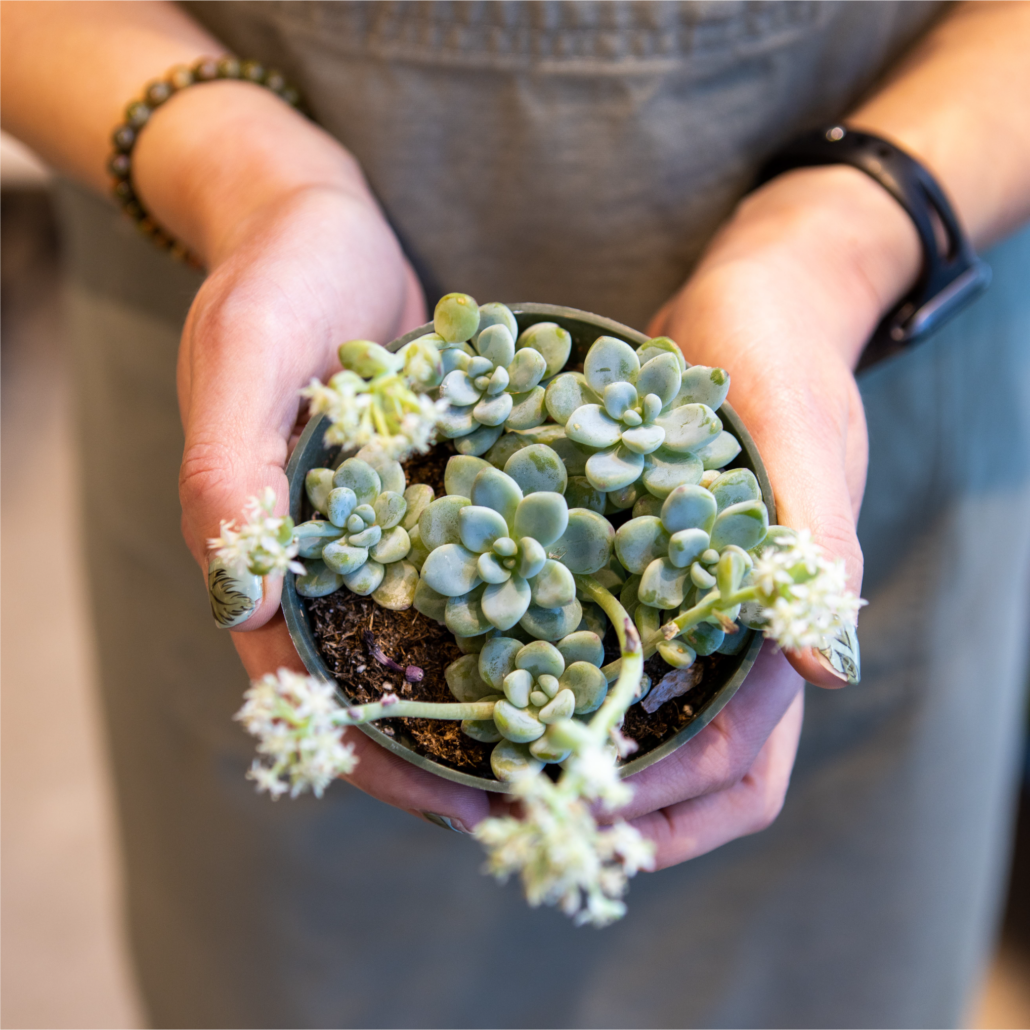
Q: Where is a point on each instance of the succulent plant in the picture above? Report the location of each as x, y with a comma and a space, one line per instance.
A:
362, 543
492, 375
627, 406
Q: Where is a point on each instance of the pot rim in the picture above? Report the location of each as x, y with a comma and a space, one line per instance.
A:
310, 445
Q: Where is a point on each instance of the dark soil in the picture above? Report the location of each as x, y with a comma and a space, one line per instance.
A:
341, 624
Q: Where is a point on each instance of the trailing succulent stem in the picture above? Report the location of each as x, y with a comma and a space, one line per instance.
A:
520, 560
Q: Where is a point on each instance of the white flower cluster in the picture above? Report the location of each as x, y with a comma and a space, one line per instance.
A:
385, 410
296, 721
557, 849
804, 594
264, 544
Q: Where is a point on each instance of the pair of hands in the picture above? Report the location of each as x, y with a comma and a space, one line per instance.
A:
784, 298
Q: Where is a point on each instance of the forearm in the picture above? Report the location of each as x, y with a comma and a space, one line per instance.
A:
208, 160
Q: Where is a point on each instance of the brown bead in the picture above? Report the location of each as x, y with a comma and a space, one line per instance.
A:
147, 226
291, 96
123, 191
180, 77
252, 71
157, 93
205, 70
162, 239
120, 165
228, 68
134, 209
275, 81
179, 251
123, 138
136, 114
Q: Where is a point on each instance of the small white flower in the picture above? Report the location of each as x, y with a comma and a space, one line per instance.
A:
263, 545
296, 719
804, 595
558, 851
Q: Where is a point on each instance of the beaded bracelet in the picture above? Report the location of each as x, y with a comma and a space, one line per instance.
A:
137, 114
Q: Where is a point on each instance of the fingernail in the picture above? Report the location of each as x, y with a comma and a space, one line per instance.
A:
446, 822
842, 657
234, 598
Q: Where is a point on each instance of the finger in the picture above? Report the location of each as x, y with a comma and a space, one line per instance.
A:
721, 754
263, 325
692, 828
801, 405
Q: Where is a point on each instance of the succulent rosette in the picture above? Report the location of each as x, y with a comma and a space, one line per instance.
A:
644, 414
700, 539
535, 687
362, 542
491, 373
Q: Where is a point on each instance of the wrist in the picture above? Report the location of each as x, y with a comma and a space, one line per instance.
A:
835, 239
217, 156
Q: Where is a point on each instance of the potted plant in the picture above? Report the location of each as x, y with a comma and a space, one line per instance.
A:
520, 537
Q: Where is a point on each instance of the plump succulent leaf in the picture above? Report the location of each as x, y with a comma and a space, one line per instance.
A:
368, 359
647, 504
537, 468
552, 342
389, 508
720, 451
622, 498
496, 343
553, 586
496, 313
542, 516
439, 523
552, 623
593, 619
540, 658
734, 487
664, 470
588, 686
464, 616
677, 653
497, 659
480, 527
312, 537
608, 361
531, 557
392, 546
344, 559
586, 545
661, 376
618, 398
505, 447
483, 730
366, 579
704, 385
526, 370
528, 410
397, 590
581, 646
418, 497
464, 680
566, 393
573, 456
419, 552
686, 546
427, 601
456, 317
744, 524
458, 389
640, 541
661, 345
663, 585
360, 477
689, 427
517, 686
704, 638
614, 468
688, 507
581, 493
479, 441
505, 603
492, 488
643, 439
318, 580
592, 426
509, 761
493, 411
451, 570
517, 724
391, 473
317, 484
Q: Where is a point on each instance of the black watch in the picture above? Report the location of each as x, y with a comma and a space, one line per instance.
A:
952, 273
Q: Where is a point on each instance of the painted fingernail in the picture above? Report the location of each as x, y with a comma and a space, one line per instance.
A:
842, 657
234, 598
446, 822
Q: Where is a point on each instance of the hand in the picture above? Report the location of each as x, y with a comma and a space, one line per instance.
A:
784, 299
300, 260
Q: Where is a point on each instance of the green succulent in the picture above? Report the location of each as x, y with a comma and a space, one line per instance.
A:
533, 686
362, 543
643, 414
491, 376
678, 556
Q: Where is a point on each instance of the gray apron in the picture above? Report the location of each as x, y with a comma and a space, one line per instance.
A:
576, 153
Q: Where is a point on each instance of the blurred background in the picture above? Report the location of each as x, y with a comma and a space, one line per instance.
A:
65, 961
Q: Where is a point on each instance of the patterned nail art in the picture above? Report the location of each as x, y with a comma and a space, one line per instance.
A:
445, 822
843, 656
234, 598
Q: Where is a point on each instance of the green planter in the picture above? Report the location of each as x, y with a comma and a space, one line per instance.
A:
312, 452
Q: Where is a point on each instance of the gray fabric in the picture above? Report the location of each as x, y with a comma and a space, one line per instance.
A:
872, 900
